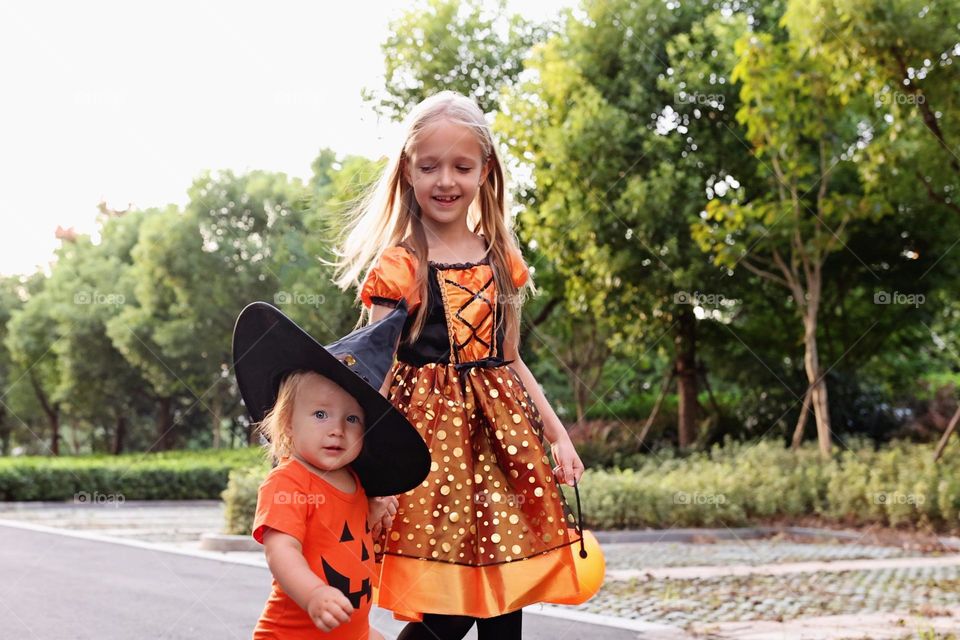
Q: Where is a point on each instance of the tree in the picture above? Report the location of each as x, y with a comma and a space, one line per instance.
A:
625, 118
193, 272
31, 335
905, 55
142, 330
469, 47
336, 185
802, 134
98, 386
11, 289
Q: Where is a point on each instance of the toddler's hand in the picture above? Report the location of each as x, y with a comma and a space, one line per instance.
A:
328, 608
381, 513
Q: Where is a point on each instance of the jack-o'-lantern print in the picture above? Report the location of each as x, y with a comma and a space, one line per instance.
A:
345, 555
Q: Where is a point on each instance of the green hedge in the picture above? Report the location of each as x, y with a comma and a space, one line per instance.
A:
175, 475
735, 485
240, 498
742, 484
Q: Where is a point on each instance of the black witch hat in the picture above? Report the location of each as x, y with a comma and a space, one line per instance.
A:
267, 346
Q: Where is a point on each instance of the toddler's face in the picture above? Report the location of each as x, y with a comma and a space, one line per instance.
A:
327, 424
445, 169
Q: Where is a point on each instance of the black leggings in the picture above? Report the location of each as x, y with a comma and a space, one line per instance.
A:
441, 627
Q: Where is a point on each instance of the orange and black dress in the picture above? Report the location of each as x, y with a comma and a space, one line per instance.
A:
488, 531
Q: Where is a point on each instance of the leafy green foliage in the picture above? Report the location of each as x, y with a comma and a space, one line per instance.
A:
656, 148
741, 484
240, 499
161, 476
469, 47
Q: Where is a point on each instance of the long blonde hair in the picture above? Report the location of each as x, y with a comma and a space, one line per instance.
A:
388, 214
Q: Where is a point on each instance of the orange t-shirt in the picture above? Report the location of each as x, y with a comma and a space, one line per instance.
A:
332, 528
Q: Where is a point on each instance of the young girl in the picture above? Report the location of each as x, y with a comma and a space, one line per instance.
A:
310, 488
335, 440
488, 531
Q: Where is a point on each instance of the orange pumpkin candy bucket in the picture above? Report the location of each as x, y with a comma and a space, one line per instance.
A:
590, 564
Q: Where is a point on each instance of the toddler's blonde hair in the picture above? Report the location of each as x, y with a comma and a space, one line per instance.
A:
277, 423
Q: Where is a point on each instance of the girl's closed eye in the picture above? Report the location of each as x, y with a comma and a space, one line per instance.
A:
462, 169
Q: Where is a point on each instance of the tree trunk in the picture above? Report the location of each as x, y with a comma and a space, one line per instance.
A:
75, 436
686, 370
946, 435
583, 358
582, 398
667, 379
5, 431
802, 421
530, 324
816, 381
164, 423
52, 411
119, 435
54, 419
719, 430
216, 403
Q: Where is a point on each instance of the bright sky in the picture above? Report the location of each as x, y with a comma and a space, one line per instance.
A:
127, 102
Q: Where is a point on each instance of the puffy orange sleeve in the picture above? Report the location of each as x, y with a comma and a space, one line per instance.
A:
393, 277
518, 268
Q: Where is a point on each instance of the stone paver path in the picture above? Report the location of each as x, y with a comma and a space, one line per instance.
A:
760, 596
745, 552
940, 625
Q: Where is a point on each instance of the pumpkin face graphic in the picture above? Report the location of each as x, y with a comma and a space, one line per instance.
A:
345, 555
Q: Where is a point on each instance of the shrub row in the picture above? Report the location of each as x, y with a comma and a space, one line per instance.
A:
182, 475
240, 498
730, 486
745, 483
741, 484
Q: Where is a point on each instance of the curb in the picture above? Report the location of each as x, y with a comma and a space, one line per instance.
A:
36, 505
741, 533
259, 563
681, 535
225, 542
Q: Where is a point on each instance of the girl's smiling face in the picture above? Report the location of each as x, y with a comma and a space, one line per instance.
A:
326, 428
446, 168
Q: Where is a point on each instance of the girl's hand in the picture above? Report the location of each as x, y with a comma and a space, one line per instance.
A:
381, 512
328, 608
569, 468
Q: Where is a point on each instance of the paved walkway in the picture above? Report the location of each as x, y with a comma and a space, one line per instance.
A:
737, 588
69, 585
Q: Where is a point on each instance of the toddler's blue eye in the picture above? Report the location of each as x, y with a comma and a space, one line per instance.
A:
320, 414
354, 418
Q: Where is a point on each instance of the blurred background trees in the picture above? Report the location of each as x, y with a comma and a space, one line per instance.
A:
741, 216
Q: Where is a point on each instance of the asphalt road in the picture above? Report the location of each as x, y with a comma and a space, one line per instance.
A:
55, 586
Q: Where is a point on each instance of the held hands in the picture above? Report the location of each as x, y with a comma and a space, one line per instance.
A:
569, 468
328, 608
380, 514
